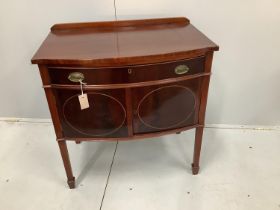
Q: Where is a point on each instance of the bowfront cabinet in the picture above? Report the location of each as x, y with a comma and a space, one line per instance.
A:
137, 79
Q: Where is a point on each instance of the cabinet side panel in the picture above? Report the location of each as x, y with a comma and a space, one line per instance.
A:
204, 89
50, 95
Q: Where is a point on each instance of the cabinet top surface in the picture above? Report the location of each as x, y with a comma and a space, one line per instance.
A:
118, 43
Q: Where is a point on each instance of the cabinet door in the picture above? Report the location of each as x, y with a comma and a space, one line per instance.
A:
105, 117
165, 107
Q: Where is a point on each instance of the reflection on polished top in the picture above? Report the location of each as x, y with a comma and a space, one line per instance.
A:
144, 40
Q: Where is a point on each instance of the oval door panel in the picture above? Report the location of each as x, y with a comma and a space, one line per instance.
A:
104, 116
166, 107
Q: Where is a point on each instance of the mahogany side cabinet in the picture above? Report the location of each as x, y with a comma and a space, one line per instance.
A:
125, 80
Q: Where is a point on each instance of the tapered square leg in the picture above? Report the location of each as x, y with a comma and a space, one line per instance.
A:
195, 169
197, 149
67, 165
71, 183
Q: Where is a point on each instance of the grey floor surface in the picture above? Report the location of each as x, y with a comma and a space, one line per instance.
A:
240, 169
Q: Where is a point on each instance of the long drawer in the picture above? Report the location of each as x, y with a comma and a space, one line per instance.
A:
132, 74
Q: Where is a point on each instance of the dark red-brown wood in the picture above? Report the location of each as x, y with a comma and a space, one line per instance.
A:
132, 82
151, 41
129, 74
201, 117
163, 107
106, 116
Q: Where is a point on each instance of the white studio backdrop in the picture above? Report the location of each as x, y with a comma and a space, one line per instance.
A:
244, 86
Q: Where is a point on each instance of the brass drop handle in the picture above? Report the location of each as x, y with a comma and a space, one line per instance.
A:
129, 71
182, 69
76, 77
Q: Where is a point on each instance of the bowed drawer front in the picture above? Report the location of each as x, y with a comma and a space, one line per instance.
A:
142, 79
130, 74
168, 70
